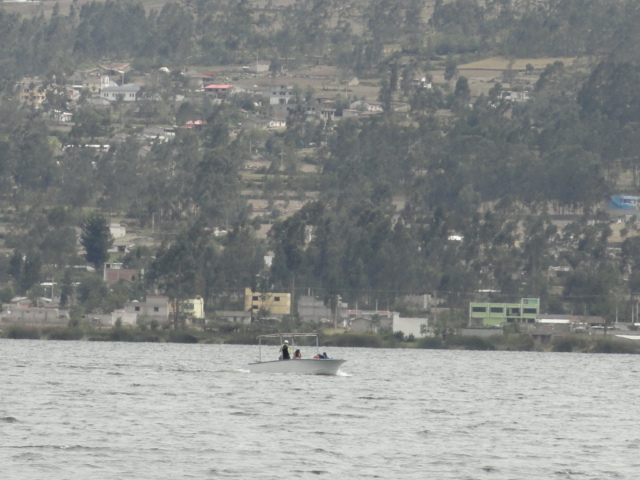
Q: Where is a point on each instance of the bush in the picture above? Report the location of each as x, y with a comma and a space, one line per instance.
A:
568, 344
146, 336
98, 336
430, 343
356, 340
65, 334
613, 346
469, 342
242, 339
391, 340
18, 332
121, 335
519, 342
177, 336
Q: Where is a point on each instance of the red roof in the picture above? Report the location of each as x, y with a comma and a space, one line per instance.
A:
218, 87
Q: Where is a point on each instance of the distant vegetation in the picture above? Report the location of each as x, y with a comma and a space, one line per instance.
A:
520, 342
446, 192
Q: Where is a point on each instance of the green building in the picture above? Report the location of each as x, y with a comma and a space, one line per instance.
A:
495, 314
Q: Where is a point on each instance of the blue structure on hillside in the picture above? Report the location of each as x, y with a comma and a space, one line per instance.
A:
623, 202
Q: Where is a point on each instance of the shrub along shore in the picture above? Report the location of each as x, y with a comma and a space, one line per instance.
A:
522, 342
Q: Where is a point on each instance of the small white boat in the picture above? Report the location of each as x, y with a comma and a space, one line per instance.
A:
302, 366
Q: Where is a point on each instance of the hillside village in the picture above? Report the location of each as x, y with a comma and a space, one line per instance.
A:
274, 96
331, 99
330, 166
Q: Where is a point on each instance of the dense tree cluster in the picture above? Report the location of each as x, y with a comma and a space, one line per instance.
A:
349, 34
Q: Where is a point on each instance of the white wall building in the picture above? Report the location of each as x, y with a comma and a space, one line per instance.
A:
128, 93
410, 325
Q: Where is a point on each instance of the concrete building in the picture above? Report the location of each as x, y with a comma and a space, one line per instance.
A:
156, 307
193, 308
110, 319
36, 316
314, 309
495, 314
218, 91
113, 273
234, 316
410, 326
279, 94
278, 304
128, 93
369, 320
257, 67
31, 91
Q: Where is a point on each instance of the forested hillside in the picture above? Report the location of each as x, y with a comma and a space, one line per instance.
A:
451, 190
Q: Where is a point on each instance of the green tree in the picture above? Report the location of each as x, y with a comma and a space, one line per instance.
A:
66, 291
96, 239
450, 69
93, 294
89, 125
186, 268
25, 270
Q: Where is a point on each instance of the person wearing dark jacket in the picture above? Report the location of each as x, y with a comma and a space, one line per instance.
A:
285, 353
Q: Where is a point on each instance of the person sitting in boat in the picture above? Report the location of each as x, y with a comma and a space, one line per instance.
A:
319, 355
324, 355
285, 353
297, 354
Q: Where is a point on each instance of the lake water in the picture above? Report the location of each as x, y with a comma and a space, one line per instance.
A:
84, 410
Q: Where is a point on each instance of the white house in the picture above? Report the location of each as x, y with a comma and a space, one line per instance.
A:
60, 116
128, 93
278, 94
516, 97
410, 325
370, 320
117, 230
44, 316
257, 67
366, 106
234, 316
156, 307
110, 319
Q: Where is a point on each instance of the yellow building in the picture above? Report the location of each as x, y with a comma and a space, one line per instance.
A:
277, 303
193, 307
32, 91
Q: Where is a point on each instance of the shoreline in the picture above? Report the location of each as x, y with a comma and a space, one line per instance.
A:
513, 342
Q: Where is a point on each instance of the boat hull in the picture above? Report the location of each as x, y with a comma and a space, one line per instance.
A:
306, 366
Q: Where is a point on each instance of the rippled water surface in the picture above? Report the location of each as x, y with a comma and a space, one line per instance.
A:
83, 410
